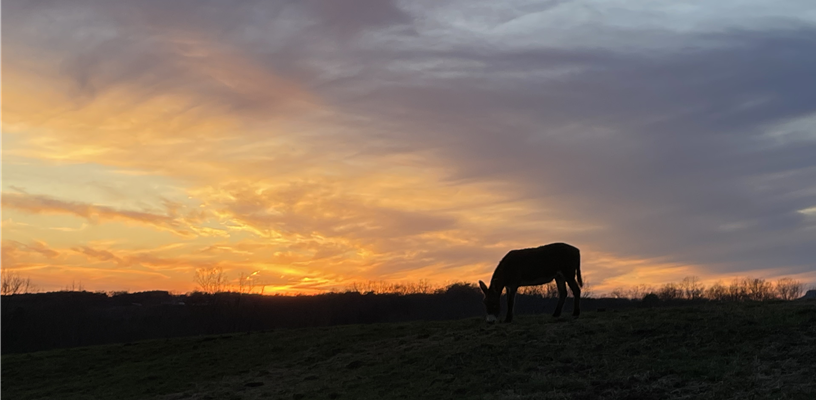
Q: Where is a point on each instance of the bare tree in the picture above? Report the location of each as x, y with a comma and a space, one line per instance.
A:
403, 288
547, 290
758, 289
740, 289
12, 283
670, 291
551, 290
425, 287
788, 289
692, 288
398, 288
637, 292
246, 283
586, 290
531, 291
353, 287
376, 287
717, 291
75, 287
737, 291
211, 280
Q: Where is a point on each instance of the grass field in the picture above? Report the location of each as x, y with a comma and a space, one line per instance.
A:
738, 351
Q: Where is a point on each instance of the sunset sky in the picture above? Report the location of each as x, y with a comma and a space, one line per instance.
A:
323, 142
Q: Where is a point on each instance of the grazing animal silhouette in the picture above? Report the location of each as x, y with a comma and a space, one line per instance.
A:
530, 267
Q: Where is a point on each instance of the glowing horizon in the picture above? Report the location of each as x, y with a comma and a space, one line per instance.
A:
142, 141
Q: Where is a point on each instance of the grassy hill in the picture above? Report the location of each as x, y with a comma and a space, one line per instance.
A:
716, 351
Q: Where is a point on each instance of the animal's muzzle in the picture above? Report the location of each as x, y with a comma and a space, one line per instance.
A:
491, 319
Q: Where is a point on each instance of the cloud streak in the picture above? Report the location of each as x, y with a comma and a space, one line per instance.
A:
40, 204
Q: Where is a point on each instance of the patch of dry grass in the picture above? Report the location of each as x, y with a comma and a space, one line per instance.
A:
760, 350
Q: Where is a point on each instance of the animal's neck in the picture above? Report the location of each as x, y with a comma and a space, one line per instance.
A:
497, 283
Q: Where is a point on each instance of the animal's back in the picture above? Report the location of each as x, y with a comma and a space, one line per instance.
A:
529, 261
552, 250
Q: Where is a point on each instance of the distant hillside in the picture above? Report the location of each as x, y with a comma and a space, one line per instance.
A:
43, 321
713, 351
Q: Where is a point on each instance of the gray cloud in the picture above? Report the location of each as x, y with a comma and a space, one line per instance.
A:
669, 152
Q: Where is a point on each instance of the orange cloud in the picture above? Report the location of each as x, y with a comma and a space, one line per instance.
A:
167, 108
13, 251
39, 204
101, 255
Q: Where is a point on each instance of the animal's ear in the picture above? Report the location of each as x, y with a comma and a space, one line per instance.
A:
484, 287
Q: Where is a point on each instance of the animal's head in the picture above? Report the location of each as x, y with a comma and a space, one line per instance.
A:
491, 301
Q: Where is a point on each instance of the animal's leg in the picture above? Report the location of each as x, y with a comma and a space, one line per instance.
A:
576, 293
562, 295
511, 298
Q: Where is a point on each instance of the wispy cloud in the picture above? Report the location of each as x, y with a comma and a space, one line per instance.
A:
14, 250
41, 204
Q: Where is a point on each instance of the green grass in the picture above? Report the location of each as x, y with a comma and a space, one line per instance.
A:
737, 351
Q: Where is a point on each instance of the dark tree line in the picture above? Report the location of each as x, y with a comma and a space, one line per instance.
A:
32, 322
41, 321
739, 289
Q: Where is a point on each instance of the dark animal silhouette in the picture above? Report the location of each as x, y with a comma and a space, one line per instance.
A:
530, 267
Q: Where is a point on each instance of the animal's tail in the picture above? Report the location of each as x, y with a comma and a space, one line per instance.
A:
580, 281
